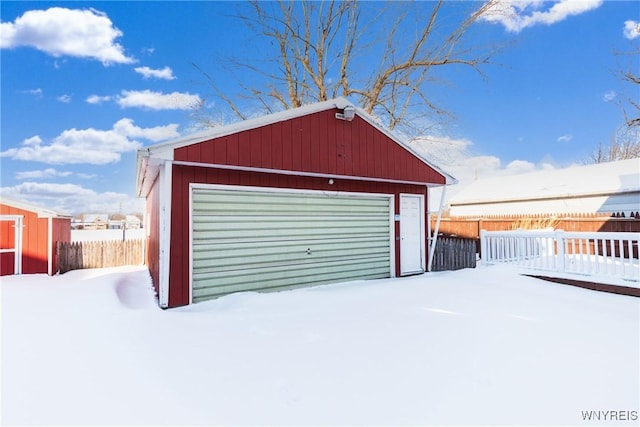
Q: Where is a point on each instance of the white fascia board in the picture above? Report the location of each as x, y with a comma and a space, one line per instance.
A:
164, 222
148, 169
538, 198
142, 159
50, 246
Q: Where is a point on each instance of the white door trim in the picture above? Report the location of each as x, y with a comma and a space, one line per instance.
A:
164, 238
420, 268
17, 241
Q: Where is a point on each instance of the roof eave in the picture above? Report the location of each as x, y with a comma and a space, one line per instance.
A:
42, 212
449, 179
165, 150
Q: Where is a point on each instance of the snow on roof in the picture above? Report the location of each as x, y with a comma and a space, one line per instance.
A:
604, 178
165, 150
96, 217
42, 212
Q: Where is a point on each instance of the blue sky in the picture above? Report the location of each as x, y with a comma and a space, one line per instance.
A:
85, 84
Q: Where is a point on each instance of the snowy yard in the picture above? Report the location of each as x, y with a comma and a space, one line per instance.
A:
473, 347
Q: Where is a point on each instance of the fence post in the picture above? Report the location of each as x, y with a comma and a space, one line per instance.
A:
560, 249
483, 246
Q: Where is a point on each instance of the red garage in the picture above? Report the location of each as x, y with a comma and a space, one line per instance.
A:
29, 236
314, 195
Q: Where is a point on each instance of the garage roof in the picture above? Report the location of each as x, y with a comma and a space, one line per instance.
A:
151, 157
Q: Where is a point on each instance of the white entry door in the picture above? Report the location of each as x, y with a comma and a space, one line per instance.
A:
411, 234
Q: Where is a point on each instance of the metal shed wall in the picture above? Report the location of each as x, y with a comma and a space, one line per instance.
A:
36, 251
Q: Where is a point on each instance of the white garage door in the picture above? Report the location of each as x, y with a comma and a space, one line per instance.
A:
273, 240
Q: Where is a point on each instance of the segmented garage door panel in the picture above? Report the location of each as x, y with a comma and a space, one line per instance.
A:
244, 240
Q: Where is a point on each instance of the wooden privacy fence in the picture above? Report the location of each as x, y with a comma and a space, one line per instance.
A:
108, 253
453, 253
469, 228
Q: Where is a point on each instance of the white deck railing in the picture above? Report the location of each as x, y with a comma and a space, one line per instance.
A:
596, 254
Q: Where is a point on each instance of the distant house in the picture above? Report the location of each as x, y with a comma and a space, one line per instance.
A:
28, 237
132, 222
607, 188
96, 222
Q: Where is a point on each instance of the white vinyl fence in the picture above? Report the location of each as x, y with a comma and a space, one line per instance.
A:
595, 254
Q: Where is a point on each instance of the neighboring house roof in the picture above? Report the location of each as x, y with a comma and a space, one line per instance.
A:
96, 218
42, 212
592, 182
149, 158
132, 218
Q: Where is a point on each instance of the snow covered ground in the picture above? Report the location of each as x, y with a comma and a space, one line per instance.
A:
472, 347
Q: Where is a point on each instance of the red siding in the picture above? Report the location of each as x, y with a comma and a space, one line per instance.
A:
61, 232
35, 238
152, 223
184, 175
315, 143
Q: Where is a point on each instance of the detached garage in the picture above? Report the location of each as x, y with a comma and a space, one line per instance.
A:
29, 236
314, 195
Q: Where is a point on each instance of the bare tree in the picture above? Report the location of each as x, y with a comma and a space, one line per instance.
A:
386, 59
624, 144
633, 119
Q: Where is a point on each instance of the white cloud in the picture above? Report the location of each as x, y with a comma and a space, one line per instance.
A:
37, 92
64, 98
34, 140
519, 166
516, 15
96, 99
157, 100
609, 96
165, 73
86, 175
455, 156
72, 198
42, 174
631, 29
155, 134
565, 138
150, 100
90, 146
58, 31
